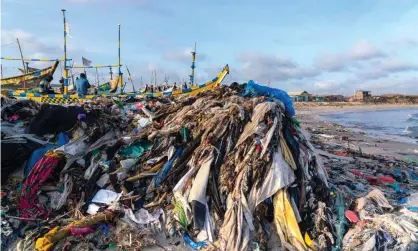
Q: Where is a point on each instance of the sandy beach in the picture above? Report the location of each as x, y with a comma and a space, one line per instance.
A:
336, 136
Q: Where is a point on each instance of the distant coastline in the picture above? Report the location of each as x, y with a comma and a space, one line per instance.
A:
349, 106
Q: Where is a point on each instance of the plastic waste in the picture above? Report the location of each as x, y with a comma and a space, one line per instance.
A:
128, 163
351, 216
341, 224
143, 216
410, 201
92, 209
74, 148
253, 90
197, 197
105, 196
135, 150
81, 116
285, 219
39, 153
192, 244
143, 122
12, 129
81, 230
279, 176
260, 129
163, 171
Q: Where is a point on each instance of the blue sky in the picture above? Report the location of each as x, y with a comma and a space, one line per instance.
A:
319, 46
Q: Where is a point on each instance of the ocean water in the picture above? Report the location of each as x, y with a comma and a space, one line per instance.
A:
400, 125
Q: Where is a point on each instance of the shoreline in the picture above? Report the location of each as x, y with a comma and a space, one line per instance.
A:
336, 137
303, 108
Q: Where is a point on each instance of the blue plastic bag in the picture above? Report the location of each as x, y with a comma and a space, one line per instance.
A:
254, 90
191, 243
40, 152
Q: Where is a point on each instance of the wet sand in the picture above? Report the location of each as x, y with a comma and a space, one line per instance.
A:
337, 137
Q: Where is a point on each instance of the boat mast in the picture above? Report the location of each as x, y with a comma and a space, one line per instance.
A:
97, 78
120, 72
155, 78
193, 64
23, 63
111, 73
65, 55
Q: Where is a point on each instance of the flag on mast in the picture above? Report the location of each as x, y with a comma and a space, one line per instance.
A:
67, 29
86, 62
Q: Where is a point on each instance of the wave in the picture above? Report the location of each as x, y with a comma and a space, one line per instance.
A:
411, 131
413, 116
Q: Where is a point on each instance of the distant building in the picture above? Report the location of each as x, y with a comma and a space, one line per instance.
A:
300, 96
318, 98
362, 95
328, 98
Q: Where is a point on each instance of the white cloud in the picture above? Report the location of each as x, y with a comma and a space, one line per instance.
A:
330, 62
373, 74
28, 41
396, 65
141, 5
336, 62
327, 86
363, 50
264, 68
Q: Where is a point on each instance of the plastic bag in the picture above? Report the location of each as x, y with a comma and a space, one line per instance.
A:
253, 90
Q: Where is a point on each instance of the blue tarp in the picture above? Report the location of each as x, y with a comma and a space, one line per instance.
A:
253, 90
39, 153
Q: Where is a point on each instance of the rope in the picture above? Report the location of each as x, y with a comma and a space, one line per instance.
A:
8, 44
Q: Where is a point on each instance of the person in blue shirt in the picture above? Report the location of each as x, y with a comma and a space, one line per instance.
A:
82, 84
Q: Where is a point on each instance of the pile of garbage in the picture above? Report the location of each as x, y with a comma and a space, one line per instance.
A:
230, 169
379, 194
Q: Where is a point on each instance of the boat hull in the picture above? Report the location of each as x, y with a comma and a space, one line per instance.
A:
74, 98
29, 80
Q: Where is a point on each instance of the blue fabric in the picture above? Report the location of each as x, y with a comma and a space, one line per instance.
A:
413, 175
39, 153
254, 90
398, 188
414, 209
81, 85
163, 171
340, 224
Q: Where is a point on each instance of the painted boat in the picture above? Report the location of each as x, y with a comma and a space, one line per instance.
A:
73, 98
32, 79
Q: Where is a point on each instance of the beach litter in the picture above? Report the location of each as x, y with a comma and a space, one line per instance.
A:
227, 170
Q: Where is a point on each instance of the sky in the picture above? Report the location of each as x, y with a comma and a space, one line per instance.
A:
324, 47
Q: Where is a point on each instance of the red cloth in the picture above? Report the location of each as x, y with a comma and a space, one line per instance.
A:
28, 204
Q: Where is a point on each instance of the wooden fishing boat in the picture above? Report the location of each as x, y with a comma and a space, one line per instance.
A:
28, 80
73, 98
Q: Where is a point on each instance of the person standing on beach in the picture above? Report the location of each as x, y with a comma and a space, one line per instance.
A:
82, 84
62, 84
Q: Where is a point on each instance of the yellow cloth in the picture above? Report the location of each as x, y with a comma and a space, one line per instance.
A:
43, 243
285, 220
308, 241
